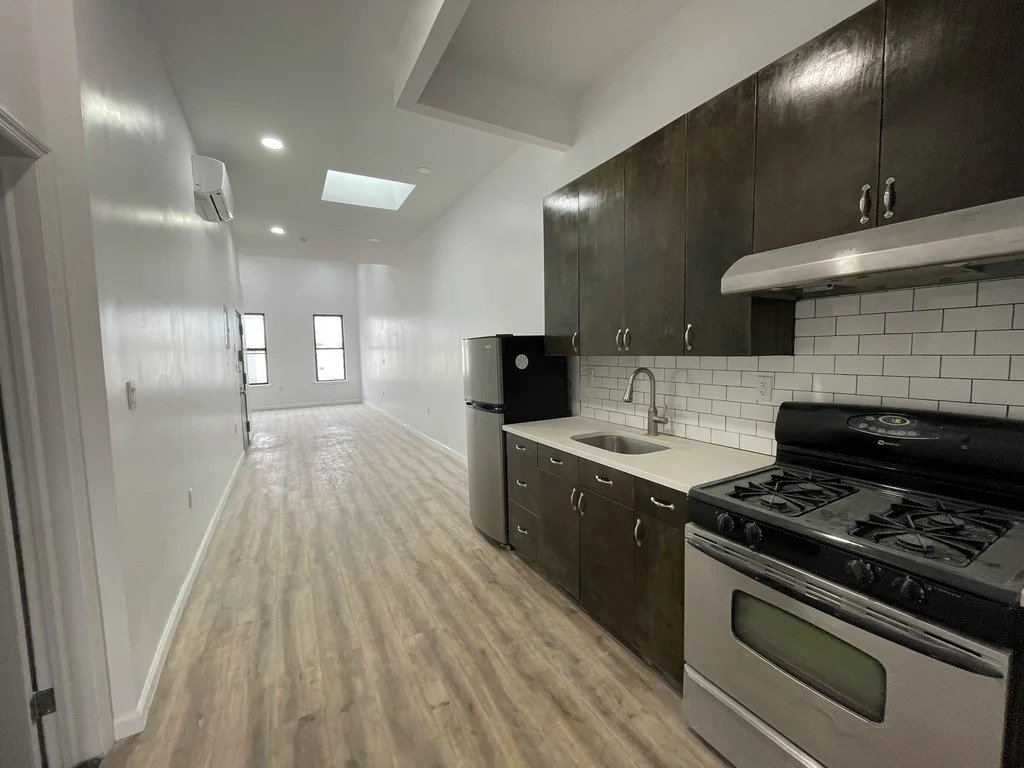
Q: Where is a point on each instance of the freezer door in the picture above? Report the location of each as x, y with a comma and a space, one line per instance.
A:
481, 370
485, 457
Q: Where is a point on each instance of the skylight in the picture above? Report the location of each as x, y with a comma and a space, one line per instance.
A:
367, 191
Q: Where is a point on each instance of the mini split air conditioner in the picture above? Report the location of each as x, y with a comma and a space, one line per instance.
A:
212, 189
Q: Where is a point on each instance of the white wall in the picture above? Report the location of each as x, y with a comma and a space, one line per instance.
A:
164, 277
480, 268
289, 292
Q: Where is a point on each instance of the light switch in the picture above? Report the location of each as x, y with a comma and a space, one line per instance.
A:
130, 390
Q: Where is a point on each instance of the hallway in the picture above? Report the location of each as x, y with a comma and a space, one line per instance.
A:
348, 615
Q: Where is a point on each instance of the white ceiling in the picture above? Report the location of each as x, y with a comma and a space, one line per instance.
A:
556, 45
318, 74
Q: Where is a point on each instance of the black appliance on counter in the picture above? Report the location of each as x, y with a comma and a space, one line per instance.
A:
859, 603
506, 379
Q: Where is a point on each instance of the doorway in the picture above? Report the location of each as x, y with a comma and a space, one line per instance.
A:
243, 383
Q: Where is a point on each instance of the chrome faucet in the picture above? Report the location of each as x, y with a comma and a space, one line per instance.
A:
653, 419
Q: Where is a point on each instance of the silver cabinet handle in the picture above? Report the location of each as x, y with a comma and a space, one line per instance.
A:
889, 197
572, 498
627, 339
865, 203
520, 447
522, 530
618, 339
662, 504
581, 503
575, 341
557, 462
686, 337
636, 532
520, 483
604, 480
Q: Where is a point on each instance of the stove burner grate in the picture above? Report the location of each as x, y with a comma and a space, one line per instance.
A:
934, 529
792, 493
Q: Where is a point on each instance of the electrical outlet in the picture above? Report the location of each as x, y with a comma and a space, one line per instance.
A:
765, 382
190, 498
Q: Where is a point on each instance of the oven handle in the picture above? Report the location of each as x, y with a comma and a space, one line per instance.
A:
937, 649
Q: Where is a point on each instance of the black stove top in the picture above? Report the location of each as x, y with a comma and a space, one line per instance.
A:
934, 529
793, 492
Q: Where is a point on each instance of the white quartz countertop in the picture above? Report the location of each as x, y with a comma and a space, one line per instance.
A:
685, 464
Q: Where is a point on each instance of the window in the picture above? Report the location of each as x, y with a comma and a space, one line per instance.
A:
329, 347
254, 326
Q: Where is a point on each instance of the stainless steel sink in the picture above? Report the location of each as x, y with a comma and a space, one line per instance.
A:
619, 443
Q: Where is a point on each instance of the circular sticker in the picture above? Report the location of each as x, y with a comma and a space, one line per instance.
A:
522, 361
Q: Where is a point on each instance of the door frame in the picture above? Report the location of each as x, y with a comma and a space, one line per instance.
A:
42, 415
243, 383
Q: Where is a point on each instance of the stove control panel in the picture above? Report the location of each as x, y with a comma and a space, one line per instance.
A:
895, 425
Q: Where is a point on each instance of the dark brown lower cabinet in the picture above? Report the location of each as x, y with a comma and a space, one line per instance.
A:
559, 531
658, 595
606, 563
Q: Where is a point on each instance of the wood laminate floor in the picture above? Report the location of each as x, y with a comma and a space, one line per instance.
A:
349, 615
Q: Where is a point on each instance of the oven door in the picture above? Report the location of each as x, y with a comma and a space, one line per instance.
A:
851, 681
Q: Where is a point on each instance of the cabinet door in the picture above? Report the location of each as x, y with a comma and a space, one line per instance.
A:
658, 594
952, 130
601, 258
655, 239
818, 116
561, 276
606, 563
559, 531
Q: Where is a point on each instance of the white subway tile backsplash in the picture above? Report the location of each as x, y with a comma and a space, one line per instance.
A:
949, 343
837, 305
919, 321
860, 324
978, 318
942, 296
941, 389
929, 348
1001, 292
815, 326
836, 345
911, 365
889, 344
1000, 342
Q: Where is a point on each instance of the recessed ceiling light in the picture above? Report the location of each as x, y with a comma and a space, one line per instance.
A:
272, 142
424, 171
277, 230
367, 191
374, 239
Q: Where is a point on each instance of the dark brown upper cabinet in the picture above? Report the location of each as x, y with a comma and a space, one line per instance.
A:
655, 242
606, 563
953, 106
719, 230
602, 298
561, 273
818, 118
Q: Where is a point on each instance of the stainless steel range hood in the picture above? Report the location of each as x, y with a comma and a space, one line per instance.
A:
979, 243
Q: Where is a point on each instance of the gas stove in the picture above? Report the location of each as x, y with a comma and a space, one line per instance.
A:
932, 523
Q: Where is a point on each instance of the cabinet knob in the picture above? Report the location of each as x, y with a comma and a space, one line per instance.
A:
522, 530
520, 483
865, 203
889, 197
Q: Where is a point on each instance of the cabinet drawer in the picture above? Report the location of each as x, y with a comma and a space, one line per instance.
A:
524, 533
521, 484
610, 483
557, 462
520, 453
661, 503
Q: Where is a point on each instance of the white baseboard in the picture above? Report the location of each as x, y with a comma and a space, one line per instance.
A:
128, 723
428, 438
301, 405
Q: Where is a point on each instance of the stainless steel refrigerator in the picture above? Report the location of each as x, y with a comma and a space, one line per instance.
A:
506, 379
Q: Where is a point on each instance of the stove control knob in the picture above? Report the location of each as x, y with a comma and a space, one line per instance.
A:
753, 534
726, 524
861, 571
910, 591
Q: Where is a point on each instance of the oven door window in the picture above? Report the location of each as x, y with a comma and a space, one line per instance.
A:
813, 656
